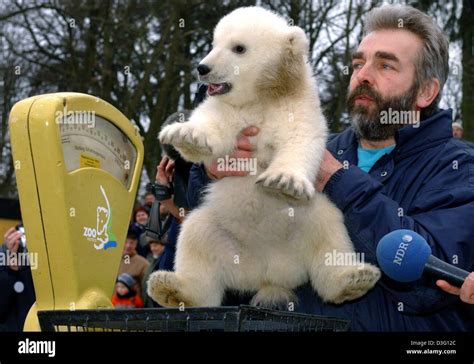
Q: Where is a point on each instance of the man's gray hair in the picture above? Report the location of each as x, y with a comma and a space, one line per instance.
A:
433, 59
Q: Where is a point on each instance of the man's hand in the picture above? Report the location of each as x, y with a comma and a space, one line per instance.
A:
329, 166
466, 292
164, 171
244, 150
12, 242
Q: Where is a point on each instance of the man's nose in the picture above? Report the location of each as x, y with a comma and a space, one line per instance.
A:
203, 69
365, 75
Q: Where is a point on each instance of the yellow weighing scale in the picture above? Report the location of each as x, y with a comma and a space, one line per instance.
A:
78, 162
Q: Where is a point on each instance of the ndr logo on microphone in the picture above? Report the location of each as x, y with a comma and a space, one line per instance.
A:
402, 248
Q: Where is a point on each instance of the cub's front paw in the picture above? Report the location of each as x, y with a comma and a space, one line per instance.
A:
187, 138
165, 288
354, 283
288, 183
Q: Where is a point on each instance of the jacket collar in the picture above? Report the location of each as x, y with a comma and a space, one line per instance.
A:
431, 131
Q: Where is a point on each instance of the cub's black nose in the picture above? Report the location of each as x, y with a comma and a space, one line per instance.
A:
203, 69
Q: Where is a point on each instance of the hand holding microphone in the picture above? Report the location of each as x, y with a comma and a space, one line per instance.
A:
466, 292
405, 256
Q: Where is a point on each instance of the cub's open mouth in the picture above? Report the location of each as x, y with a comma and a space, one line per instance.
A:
218, 88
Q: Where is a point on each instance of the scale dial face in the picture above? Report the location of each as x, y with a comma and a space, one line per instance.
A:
95, 142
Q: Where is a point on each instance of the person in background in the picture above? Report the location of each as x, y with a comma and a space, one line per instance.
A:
172, 176
126, 295
140, 220
164, 175
458, 130
148, 201
133, 263
156, 250
17, 293
140, 216
458, 133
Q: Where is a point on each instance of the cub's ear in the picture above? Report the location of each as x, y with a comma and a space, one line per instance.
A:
286, 75
297, 41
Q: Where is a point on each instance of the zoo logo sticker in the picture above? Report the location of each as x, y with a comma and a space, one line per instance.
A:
102, 235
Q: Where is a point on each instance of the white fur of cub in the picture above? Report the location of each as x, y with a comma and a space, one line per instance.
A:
268, 232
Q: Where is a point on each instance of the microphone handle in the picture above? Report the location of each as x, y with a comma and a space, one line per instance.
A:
442, 270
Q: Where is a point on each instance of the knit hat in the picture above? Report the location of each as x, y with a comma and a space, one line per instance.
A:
133, 232
149, 240
127, 280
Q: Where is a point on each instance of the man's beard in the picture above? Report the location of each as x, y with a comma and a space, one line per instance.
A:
366, 119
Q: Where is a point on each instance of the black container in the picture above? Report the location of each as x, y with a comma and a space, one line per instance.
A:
242, 318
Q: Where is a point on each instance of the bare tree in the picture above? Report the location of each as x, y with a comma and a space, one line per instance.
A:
140, 55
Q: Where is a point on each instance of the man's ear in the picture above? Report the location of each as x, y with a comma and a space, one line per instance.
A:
427, 93
297, 41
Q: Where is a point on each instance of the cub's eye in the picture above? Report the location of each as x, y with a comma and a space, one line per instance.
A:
239, 49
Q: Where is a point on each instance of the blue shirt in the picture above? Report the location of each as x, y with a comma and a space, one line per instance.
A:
368, 157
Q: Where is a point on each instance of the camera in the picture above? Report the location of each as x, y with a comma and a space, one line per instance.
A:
160, 192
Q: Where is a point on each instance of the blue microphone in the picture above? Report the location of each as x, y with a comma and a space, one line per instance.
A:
404, 256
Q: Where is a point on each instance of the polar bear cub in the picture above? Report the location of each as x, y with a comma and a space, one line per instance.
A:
268, 232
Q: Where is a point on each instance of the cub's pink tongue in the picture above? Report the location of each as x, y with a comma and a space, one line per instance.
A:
213, 88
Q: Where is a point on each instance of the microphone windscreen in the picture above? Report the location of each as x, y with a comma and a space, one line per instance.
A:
402, 255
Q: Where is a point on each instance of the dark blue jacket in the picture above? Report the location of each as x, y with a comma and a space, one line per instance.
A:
166, 259
425, 184
14, 306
